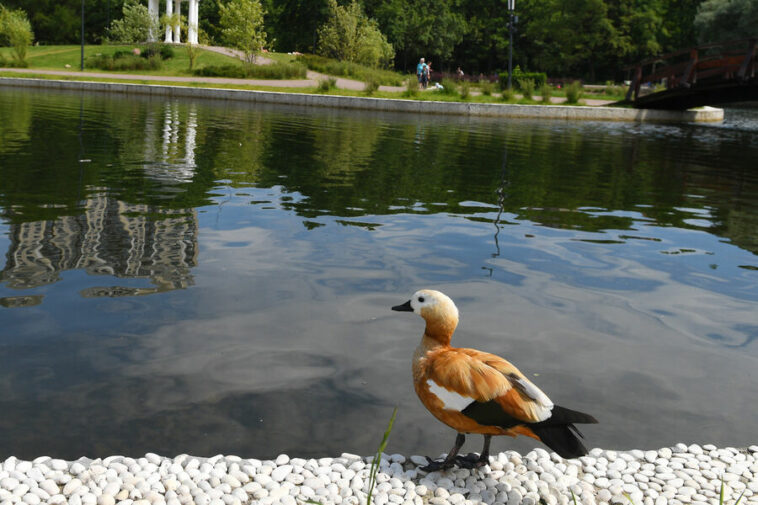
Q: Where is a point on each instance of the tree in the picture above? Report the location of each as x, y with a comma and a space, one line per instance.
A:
720, 20
419, 28
242, 27
137, 25
15, 26
350, 35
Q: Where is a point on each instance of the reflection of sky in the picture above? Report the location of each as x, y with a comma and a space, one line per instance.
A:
285, 342
286, 339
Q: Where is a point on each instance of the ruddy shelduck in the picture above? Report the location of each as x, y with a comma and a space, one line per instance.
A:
476, 392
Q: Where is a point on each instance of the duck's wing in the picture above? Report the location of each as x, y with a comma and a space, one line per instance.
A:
485, 387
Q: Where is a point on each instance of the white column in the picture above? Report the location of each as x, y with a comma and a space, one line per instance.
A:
152, 8
177, 28
169, 28
192, 22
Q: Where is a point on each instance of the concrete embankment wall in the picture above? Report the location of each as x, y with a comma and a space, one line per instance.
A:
382, 104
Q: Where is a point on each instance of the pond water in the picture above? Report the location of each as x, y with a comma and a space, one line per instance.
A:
208, 277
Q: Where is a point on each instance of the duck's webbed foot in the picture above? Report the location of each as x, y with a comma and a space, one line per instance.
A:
441, 464
449, 461
471, 461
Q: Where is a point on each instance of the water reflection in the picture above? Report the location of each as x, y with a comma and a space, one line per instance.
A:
615, 261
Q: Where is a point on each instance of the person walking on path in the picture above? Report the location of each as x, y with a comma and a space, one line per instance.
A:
422, 73
428, 73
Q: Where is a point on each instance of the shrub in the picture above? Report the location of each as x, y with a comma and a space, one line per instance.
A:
574, 92
539, 78
546, 91
271, 71
465, 89
122, 60
411, 86
371, 86
486, 87
15, 26
327, 84
526, 86
449, 87
348, 69
508, 95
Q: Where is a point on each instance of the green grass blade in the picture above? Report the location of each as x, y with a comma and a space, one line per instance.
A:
378, 458
573, 496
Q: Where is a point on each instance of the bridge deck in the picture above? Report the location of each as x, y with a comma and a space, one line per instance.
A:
710, 74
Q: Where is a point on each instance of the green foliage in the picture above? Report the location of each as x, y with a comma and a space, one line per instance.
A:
352, 70
526, 86
546, 91
418, 28
486, 87
350, 35
465, 89
192, 52
371, 86
539, 79
720, 20
274, 70
123, 60
574, 92
449, 87
17, 30
327, 84
411, 86
135, 26
149, 57
508, 95
241, 24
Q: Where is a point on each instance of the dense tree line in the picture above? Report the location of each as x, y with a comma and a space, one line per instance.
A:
592, 39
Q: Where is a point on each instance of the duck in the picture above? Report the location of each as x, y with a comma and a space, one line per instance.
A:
475, 392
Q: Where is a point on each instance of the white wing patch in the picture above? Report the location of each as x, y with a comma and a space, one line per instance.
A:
450, 399
535, 394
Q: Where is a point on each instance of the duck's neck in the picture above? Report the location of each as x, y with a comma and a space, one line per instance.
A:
439, 333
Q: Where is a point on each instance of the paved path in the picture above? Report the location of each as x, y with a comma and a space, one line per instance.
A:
312, 79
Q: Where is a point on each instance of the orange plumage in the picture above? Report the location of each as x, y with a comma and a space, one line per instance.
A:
476, 392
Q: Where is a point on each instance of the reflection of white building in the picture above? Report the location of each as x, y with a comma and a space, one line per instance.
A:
111, 237
174, 161
117, 238
173, 34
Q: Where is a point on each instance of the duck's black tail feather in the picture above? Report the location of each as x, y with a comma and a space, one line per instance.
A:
559, 433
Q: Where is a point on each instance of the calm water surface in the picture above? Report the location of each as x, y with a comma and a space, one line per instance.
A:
207, 277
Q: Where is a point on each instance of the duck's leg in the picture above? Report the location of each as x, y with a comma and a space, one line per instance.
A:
474, 461
450, 460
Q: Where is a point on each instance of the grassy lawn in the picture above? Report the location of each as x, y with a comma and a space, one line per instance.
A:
57, 57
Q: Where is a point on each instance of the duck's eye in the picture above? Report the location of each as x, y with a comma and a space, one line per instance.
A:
421, 299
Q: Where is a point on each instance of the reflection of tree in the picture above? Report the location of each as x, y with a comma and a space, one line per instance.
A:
170, 154
17, 118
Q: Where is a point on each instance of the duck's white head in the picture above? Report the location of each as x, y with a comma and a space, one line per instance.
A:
437, 309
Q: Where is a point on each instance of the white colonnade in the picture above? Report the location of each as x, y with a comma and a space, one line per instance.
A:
173, 34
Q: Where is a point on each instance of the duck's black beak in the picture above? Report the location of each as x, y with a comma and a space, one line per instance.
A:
406, 307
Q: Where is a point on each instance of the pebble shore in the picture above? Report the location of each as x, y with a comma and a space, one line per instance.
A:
669, 476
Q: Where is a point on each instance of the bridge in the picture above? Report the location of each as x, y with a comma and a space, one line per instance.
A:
709, 74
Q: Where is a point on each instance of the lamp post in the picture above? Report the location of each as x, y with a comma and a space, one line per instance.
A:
511, 9
82, 58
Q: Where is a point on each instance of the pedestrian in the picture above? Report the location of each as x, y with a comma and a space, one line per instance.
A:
428, 74
459, 73
421, 70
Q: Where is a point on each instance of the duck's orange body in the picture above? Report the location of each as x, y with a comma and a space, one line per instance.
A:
476, 392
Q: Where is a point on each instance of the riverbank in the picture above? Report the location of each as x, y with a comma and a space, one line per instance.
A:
669, 476
566, 112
